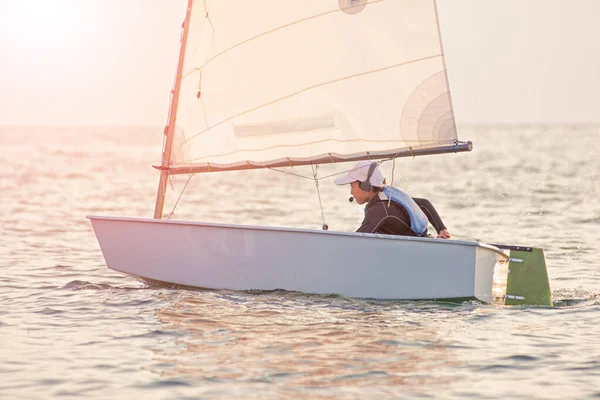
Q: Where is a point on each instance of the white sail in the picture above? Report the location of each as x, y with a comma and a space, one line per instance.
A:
271, 80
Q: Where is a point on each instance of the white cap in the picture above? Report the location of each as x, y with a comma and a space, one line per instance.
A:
360, 172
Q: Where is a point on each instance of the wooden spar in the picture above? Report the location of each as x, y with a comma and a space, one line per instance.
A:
166, 156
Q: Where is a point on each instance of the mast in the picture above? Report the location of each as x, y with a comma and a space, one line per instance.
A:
166, 155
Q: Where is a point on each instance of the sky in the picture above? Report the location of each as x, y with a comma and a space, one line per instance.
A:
112, 62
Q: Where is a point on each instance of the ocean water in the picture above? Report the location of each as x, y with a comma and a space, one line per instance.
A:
70, 327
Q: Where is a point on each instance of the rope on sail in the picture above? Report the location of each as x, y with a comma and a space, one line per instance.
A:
309, 88
248, 40
403, 141
207, 17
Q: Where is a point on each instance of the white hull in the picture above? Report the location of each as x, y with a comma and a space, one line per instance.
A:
218, 256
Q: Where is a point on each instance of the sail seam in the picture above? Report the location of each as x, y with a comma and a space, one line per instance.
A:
311, 88
271, 31
316, 142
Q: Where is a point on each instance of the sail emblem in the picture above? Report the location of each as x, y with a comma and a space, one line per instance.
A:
352, 7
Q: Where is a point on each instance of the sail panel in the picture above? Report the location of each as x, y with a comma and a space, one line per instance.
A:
268, 80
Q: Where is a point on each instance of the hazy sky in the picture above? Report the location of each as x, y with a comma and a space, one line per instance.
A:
111, 62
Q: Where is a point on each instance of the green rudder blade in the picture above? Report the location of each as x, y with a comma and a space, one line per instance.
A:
527, 282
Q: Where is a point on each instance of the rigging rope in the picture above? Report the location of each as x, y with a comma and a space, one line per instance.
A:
289, 173
180, 194
392, 182
315, 178
315, 169
393, 158
393, 168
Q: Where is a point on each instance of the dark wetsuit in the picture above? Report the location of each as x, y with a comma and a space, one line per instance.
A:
394, 220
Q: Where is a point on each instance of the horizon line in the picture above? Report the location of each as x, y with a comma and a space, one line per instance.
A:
161, 127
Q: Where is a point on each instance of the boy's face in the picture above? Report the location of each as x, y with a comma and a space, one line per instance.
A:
359, 195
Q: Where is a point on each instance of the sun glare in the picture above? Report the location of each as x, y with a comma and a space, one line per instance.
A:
45, 27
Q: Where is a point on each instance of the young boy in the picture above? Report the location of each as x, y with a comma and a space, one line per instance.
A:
402, 215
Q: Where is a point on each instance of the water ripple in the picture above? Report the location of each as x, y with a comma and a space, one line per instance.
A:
71, 327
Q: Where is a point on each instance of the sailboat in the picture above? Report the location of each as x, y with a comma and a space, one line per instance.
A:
277, 84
